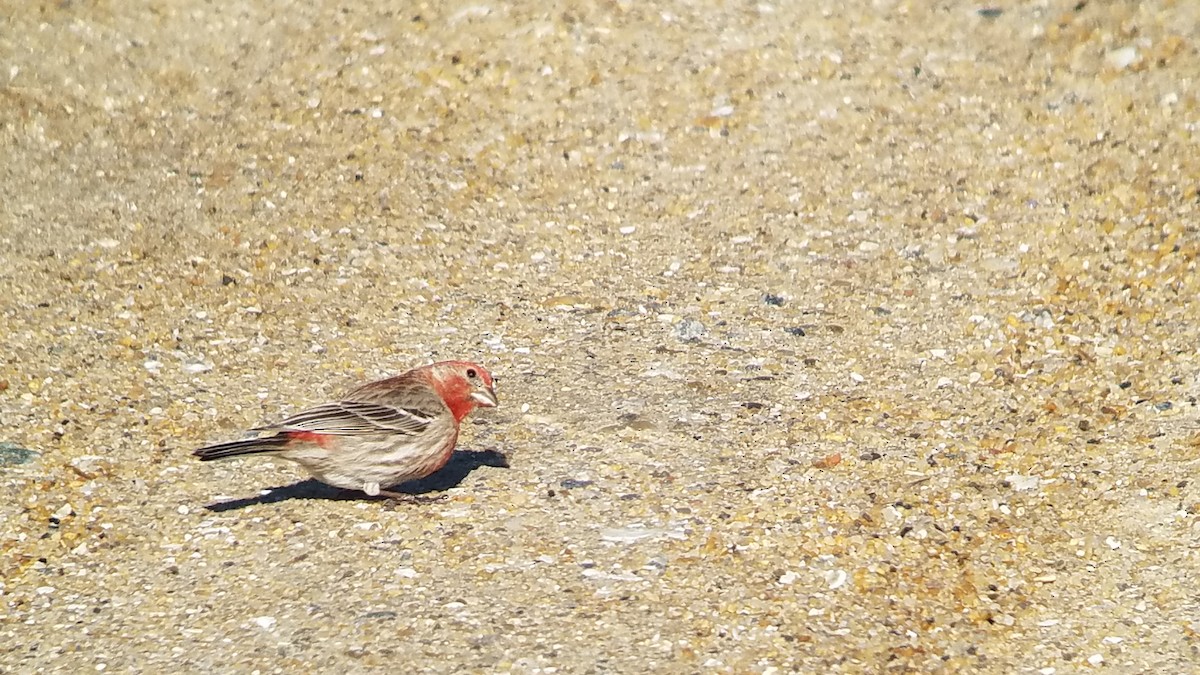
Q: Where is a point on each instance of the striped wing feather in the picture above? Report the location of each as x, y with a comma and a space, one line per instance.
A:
351, 418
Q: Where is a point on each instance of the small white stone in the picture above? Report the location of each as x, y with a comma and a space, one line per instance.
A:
1022, 483
857, 378
944, 382
836, 578
1096, 659
1049, 622
891, 515
788, 578
406, 572
628, 229
264, 622
183, 510
1122, 58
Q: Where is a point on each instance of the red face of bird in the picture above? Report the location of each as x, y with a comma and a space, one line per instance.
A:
464, 386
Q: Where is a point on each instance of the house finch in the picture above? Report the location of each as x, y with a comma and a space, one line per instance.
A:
380, 434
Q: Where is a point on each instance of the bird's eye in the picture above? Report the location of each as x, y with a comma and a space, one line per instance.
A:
471, 374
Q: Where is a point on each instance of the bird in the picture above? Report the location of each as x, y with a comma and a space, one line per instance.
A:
379, 434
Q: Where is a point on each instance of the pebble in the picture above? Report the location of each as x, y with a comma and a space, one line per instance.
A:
1122, 58
12, 454
62, 513
690, 330
264, 622
836, 579
90, 466
1021, 483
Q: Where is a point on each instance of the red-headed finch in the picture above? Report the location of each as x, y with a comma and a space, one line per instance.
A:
378, 435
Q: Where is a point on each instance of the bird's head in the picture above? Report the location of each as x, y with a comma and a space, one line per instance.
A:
464, 386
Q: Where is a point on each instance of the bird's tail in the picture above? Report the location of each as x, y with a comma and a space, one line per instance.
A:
248, 446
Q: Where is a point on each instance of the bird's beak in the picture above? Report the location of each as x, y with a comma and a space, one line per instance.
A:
485, 397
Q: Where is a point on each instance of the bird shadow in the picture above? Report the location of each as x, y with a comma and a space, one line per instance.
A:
460, 465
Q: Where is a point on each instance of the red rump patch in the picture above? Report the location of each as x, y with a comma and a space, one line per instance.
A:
323, 440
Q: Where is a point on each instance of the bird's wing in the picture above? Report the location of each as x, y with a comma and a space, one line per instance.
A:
352, 418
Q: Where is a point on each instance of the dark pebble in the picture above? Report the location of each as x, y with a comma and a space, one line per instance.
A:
382, 614
795, 330
571, 484
226, 280
12, 454
1164, 406
774, 300
869, 456
990, 12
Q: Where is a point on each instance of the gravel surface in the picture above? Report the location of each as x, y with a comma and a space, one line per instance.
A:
831, 337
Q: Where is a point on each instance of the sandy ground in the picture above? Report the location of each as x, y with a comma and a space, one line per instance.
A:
832, 337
